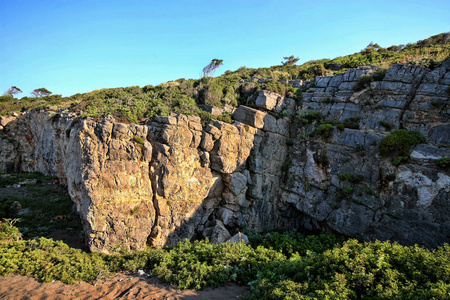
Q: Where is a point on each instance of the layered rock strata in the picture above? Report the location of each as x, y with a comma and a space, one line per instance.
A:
177, 178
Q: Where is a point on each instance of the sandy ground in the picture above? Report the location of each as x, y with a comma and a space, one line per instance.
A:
120, 286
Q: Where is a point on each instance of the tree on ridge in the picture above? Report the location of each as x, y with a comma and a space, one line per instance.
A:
41, 92
211, 68
290, 60
13, 90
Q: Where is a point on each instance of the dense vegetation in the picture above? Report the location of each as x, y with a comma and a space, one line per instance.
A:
134, 104
320, 268
275, 265
398, 145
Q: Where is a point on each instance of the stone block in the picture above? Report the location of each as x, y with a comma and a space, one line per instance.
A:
267, 100
249, 116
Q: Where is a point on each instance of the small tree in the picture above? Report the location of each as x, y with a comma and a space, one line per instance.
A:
290, 60
13, 90
210, 69
42, 92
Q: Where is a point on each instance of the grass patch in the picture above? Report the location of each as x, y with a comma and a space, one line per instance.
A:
386, 125
347, 192
352, 123
443, 163
351, 178
36, 203
400, 160
138, 140
306, 117
325, 130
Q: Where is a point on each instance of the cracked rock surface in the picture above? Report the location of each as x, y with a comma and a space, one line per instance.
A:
176, 178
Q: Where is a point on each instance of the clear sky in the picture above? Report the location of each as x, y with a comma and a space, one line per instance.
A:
76, 46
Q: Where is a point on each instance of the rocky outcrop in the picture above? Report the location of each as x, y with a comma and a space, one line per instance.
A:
408, 203
177, 178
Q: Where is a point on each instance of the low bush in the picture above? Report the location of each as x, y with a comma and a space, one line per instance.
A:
399, 142
325, 130
292, 242
8, 232
352, 123
276, 266
379, 74
309, 116
386, 125
347, 192
400, 160
225, 117
351, 178
378, 270
200, 264
362, 82
287, 163
443, 163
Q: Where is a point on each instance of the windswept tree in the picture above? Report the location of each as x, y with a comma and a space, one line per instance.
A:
13, 90
42, 92
289, 60
210, 69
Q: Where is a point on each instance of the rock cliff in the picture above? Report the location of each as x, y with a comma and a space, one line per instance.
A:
276, 167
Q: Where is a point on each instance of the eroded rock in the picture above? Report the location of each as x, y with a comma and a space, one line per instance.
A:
173, 178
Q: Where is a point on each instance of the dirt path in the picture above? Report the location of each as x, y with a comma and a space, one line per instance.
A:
120, 286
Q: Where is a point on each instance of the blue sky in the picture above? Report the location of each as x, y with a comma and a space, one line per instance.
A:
78, 46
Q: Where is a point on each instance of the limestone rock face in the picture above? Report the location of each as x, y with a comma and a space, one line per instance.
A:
403, 203
114, 183
176, 178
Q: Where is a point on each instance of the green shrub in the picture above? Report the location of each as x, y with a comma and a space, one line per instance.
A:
225, 117
362, 82
50, 261
276, 265
400, 142
379, 74
287, 163
386, 125
345, 177
400, 160
347, 191
8, 232
435, 103
200, 264
351, 178
352, 123
378, 270
307, 186
443, 163
325, 130
360, 150
307, 116
292, 242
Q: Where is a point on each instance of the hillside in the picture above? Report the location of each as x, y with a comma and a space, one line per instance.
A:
135, 104
360, 153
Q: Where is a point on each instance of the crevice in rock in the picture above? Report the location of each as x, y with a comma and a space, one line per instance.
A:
154, 231
411, 95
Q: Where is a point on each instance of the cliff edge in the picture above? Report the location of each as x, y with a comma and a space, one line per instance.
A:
313, 164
